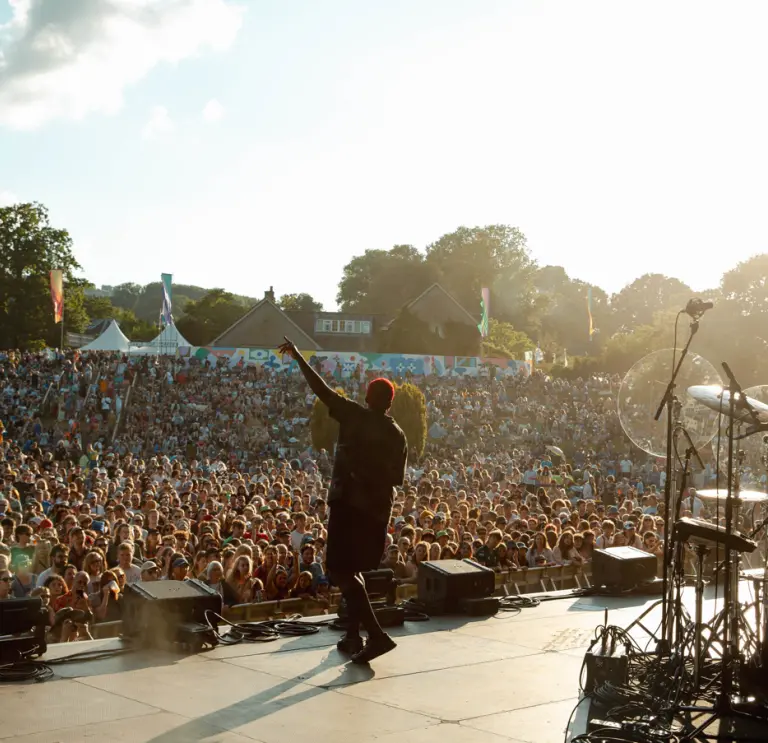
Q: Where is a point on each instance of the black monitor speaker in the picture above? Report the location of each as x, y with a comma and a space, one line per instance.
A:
444, 584
622, 568
171, 611
22, 628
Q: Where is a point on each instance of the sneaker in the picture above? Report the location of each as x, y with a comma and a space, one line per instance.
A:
350, 645
374, 648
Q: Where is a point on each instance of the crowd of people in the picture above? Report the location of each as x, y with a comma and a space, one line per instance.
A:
209, 473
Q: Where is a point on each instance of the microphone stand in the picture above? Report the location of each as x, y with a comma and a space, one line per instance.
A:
664, 645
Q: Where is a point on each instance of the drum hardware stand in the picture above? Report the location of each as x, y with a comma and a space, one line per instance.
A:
764, 458
701, 552
668, 400
678, 580
760, 585
675, 616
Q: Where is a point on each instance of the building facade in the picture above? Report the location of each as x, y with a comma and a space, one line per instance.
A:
265, 324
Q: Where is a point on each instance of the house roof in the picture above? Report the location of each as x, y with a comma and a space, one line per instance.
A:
302, 337
443, 290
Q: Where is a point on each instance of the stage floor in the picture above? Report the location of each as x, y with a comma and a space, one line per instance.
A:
513, 677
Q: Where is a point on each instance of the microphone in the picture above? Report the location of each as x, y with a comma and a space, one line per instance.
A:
697, 307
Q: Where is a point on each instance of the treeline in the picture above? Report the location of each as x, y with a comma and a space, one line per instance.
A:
531, 305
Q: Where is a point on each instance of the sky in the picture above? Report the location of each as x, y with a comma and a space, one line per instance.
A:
265, 143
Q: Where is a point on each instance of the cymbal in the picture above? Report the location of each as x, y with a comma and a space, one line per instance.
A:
718, 398
745, 496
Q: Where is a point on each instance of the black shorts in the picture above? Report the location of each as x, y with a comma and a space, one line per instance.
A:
356, 540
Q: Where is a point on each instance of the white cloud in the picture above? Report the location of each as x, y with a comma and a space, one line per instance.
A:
7, 198
70, 59
160, 122
213, 111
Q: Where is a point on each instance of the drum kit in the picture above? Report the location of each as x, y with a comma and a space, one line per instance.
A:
735, 639
719, 651
746, 643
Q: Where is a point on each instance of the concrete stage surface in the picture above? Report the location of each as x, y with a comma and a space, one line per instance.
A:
512, 677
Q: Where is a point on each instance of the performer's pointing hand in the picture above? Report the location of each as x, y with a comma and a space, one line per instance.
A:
289, 349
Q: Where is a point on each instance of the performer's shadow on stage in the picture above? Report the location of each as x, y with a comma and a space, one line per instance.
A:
274, 699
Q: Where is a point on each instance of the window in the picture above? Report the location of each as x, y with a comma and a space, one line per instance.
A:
348, 327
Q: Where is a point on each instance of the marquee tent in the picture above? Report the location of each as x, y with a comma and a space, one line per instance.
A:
112, 339
166, 343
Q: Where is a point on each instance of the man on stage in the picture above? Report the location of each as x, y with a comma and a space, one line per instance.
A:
371, 455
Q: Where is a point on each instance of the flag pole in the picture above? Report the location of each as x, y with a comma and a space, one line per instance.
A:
62, 315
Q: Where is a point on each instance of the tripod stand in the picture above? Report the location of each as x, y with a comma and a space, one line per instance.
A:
678, 621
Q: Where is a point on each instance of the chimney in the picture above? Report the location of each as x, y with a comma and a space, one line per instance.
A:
270, 295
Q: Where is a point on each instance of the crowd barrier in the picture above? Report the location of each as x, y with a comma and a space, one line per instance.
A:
521, 581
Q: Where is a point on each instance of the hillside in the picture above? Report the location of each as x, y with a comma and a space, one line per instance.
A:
146, 301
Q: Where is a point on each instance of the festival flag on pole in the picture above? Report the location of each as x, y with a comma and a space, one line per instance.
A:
589, 313
485, 308
167, 314
57, 294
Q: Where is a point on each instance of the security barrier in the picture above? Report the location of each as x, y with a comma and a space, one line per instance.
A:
520, 581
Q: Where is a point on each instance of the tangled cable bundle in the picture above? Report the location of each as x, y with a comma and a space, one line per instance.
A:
27, 669
266, 631
515, 604
644, 704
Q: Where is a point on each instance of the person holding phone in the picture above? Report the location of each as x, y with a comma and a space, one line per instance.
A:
371, 458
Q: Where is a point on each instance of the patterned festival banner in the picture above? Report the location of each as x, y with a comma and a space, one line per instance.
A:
348, 363
166, 280
57, 294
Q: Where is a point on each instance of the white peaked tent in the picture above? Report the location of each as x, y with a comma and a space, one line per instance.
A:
164, 344
112, 339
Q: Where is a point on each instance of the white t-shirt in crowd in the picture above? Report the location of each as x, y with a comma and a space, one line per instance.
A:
296, 537
132, 574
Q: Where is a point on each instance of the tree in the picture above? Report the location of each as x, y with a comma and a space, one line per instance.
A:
101, 308
409, 409
637, 303
623, 350
747, 284
300, 302
127, 296
323, 429
504, 342
29, 249
210, 316
135, 328
565, 324
382, 281
736, 329
496, 256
